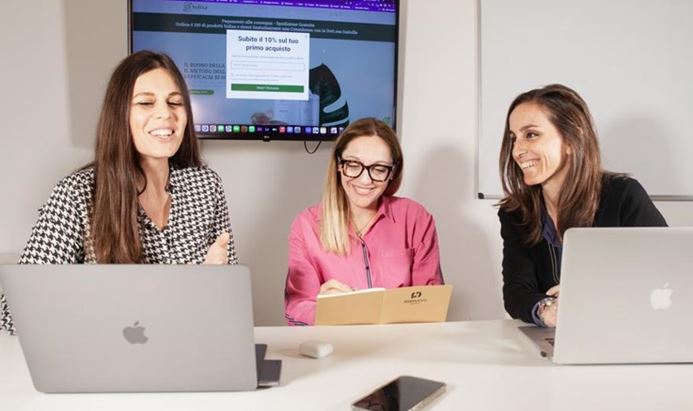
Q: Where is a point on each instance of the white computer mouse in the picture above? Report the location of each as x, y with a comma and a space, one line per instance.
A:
315, 349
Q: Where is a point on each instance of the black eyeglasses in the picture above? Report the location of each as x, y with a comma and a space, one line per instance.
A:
354, 169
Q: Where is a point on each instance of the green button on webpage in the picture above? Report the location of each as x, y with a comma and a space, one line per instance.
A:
203, 92
267, 87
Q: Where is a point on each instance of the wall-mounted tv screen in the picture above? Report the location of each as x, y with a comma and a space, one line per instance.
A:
277, 70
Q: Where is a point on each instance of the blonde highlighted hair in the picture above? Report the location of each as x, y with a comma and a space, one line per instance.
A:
335, 212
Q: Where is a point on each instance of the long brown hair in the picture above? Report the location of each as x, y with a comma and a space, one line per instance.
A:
334, 221
114, 226
579, 196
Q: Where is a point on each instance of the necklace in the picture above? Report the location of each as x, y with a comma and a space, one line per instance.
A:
360, 230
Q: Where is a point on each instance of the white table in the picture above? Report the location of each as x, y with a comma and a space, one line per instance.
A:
487, 365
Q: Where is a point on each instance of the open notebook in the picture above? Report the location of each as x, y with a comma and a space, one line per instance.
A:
380, 305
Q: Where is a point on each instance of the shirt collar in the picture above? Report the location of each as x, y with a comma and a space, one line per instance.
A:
385, 208
173, 177
548, 230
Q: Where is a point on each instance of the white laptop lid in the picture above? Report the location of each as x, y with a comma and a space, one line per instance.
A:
626, 296
190, 327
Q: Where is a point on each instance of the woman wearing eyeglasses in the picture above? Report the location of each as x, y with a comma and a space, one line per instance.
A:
360, 235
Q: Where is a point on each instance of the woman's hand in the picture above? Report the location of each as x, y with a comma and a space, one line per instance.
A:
549, 315
334, 287
217, 253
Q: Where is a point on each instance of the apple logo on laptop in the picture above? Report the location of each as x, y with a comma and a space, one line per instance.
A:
660, 298
135, 334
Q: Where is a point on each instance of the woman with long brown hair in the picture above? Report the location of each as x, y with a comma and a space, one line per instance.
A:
553, 180
146, 197
360, 235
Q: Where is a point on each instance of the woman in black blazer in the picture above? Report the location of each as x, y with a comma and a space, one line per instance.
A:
553, 180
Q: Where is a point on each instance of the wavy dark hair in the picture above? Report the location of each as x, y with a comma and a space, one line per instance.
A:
579, 196
114, 227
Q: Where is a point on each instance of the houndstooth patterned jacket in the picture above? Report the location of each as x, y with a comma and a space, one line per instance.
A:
198, 215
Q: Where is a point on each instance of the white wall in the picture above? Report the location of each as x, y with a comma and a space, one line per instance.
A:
57, 56
602, 55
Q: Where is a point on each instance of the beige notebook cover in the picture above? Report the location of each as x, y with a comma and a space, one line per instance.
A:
380, 306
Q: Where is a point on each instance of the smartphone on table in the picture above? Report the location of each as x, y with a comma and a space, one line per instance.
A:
402, 394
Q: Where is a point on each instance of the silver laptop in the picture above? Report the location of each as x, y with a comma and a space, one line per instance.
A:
626, 297
134, 328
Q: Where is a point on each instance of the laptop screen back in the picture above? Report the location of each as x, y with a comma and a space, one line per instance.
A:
130, 328
626, 294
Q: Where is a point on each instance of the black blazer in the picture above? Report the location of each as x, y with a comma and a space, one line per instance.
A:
529, 271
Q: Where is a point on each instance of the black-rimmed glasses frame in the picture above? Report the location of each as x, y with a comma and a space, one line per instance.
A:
362, 167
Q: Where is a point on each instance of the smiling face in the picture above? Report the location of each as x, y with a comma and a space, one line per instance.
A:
538, 147
157, 115
362, 192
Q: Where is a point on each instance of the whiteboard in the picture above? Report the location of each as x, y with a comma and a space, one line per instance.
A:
632, 62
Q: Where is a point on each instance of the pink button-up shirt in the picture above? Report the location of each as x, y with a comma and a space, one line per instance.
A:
400, 249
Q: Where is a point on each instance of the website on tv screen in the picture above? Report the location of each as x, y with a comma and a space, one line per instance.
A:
264, 69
